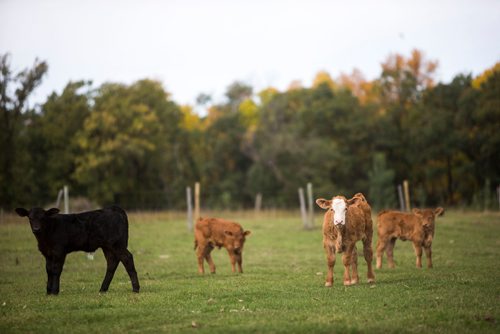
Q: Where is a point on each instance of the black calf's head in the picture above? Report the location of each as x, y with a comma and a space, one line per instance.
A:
36, 216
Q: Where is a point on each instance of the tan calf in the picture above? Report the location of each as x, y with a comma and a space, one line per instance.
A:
214, 232
346, 222
417, 226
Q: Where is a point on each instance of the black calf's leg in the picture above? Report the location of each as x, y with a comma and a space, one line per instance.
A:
50, 277
128, 262
54, 270
112, 263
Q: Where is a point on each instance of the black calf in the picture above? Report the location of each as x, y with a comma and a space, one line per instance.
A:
58, 235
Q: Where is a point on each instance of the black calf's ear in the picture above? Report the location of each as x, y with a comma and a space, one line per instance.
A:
51, 212
22, 212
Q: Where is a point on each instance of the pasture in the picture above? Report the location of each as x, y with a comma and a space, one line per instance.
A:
281, 290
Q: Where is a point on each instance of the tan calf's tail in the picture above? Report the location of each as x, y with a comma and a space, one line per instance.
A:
195, 244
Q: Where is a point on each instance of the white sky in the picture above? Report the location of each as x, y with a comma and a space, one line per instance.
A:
196, 46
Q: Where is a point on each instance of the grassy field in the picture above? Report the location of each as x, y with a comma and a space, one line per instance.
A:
281, 290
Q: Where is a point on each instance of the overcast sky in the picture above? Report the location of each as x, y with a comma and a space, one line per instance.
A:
203, 46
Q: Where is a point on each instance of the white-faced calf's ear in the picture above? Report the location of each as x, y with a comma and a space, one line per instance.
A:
228, 233
323, 203
247, 233
22, 212
51, 212
415, 211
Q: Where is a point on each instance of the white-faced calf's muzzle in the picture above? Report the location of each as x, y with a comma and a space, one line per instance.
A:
339, 209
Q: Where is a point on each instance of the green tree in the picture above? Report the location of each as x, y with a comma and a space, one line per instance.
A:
53, 145
382, 186
236, 93
439, 165
16, 174
129, 145
224, 166
401, 86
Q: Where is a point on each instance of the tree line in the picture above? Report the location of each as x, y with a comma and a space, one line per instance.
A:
134, 146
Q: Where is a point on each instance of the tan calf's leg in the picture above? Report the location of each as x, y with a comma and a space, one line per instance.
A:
418, 252
381, 245
330, 259
428, 254
368, 253
389, 249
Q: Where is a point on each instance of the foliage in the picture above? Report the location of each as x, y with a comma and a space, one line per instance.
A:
122, 143
16, 171
382, 191
132, 145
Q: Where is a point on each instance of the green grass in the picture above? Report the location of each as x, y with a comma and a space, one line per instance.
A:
281, 290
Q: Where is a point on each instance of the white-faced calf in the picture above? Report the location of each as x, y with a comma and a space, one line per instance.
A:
346, 222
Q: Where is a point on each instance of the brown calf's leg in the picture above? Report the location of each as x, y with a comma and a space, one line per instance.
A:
389, 249
232, 258
428, 254
208, 257
368, 253
418, 252
200, 255
201, 250
239, 261
346, 260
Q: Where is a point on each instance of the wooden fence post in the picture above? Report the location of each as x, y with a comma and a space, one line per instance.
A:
310, 222
66, 200
59, 195
189, 199
406, 187
401, 198
498, 196
258, 203
196, 200
303, 212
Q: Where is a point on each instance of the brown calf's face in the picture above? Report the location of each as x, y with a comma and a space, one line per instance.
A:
36, 217
236, 239
428, 216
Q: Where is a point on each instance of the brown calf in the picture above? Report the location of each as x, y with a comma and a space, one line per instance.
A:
214, 232
417, 226
346, 222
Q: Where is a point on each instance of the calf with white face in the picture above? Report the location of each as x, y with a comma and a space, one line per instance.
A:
345, 222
